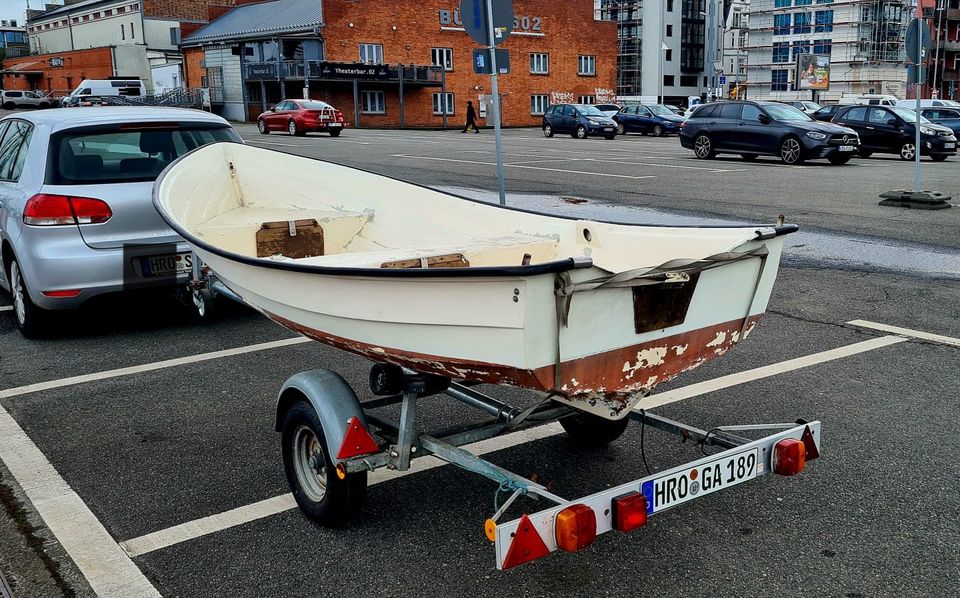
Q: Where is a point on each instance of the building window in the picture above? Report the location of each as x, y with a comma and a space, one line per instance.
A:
540, 64
373, 102
781, 24
824, 21
121, 9
800, 48
96, 15
538, 104
669, 5
781, 3
778, 80
587, 65
781, 52
371, 53
587, 100
75, 20
801, 22
822, 46
669, 80
86, 17
668, 55
123, 31
802, 2
442, 57
174, 36
438, 103
669, 30
109, 12
688, 80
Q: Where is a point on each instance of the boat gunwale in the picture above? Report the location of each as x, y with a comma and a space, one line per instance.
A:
552, 267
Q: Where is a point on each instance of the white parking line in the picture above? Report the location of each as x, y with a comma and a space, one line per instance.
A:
927, 336
106, 567
214, 523
775, 369
148, 367
616, 176
278, 504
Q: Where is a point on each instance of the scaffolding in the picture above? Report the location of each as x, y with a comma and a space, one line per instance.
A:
882, 31
627, 14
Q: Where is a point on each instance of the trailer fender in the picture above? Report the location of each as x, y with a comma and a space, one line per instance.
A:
330, 396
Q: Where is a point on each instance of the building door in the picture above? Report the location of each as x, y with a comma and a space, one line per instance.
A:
215, 83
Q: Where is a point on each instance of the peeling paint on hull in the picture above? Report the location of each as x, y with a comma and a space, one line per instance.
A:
602, 381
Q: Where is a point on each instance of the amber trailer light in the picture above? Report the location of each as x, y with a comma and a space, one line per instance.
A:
629, 511
789, 456
575, 528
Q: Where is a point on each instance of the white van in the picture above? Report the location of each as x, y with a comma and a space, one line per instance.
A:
106, 87
869, 99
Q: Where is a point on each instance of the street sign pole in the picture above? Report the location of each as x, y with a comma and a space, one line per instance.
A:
501, 187
916, 92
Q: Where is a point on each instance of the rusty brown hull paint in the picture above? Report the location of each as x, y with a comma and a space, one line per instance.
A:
615, 374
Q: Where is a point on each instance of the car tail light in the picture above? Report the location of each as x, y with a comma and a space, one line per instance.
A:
629, 511
65, 293
575, 528
789, 456
339, 116
56, 210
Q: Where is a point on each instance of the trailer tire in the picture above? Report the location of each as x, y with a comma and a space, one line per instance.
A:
321, 495
592, 430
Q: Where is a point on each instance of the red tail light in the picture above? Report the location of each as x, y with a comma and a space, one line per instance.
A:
575, 528
789, 456
66, 293
57, 210
339, 116
629, 512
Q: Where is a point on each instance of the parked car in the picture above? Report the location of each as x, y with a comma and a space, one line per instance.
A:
656, 120
675, 109
890, 130
948, 117
869, 99
608, 109
912, 104
79, 221
23, 99
804, 106
580, 120
754, 128
77, 101
826, 113
299, 117
693, 108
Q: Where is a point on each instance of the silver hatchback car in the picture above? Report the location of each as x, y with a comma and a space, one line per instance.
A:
76, 215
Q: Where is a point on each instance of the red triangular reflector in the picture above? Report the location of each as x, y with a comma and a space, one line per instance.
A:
527, 545
809, 444
357, 441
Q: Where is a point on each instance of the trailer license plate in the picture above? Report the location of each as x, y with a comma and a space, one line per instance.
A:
674, 489
848, 148
167, 265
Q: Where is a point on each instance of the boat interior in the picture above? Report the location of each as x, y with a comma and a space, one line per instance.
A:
272, 205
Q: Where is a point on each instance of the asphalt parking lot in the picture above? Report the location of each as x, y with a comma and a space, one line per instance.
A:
149, 436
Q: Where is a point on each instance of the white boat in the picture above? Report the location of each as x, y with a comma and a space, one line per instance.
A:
595, 313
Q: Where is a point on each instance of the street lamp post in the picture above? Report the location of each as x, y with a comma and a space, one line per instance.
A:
663, 56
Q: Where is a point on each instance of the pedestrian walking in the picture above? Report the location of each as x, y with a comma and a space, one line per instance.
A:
471, 119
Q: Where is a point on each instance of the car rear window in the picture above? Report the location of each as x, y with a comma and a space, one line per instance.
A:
126, 153
314, 105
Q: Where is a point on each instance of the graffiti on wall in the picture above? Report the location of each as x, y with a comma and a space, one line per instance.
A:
561, 97
605, 95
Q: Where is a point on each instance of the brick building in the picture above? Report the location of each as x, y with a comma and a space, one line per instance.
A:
391, 64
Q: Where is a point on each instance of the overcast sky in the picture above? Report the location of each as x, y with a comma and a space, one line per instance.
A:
16, 9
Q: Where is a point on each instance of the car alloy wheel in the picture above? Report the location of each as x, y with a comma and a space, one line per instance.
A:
620, 129
19, 294
262, 127
702, 147
547, 131
581, 132
908, 151
657, 131
292, 128
790, 151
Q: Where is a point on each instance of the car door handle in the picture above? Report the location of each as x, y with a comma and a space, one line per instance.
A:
871, 128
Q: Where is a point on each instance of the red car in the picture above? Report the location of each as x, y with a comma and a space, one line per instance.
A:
299, 117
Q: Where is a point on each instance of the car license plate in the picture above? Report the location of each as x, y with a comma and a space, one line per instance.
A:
678, 488
608, 129
334, 125
950, 145
167, 265
848, 148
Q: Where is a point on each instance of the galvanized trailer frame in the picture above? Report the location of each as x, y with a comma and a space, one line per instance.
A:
338, 409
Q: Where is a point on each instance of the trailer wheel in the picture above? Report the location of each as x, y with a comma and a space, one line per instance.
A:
320, 493
592, 430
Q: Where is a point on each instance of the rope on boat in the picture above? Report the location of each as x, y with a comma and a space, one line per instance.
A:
674, 271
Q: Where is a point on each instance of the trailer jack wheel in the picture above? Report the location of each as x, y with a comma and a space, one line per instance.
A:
318, 490
592, 430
